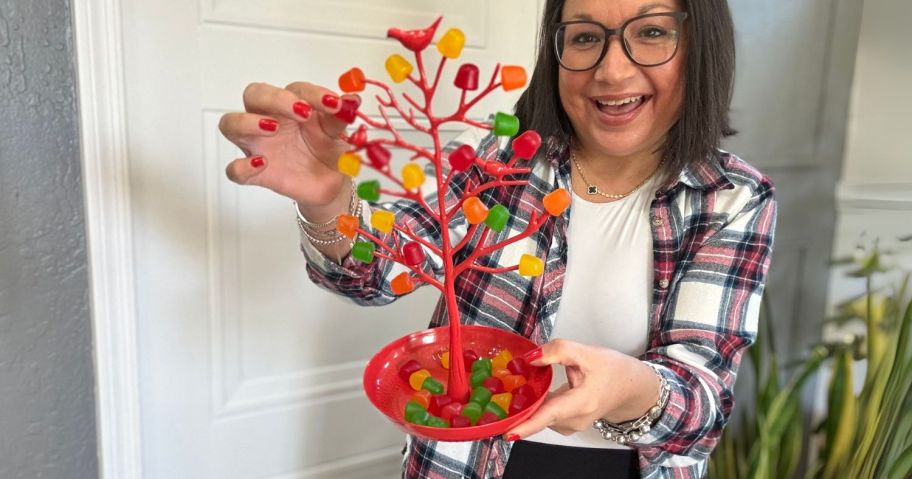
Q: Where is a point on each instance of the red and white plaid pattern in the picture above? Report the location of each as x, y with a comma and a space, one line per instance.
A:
712, 233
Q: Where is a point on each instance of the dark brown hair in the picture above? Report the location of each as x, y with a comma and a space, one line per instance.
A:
708, 82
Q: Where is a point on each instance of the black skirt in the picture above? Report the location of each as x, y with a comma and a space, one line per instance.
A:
535, 460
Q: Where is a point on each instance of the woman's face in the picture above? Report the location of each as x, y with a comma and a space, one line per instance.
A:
636, 128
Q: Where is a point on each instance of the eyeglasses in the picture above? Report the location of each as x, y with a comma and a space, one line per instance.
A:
649, 40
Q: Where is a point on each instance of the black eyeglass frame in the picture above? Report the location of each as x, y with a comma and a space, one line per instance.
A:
609, 32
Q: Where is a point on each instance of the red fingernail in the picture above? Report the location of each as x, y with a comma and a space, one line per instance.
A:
533, 355
302, 109
269, 125
257, 161
512, 437
330, 101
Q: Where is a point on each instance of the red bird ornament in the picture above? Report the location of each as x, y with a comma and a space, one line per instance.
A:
415, 40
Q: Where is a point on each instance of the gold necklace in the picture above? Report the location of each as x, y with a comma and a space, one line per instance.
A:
594, 190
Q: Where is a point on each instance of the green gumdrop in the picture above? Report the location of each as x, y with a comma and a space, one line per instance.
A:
472, 411
477, 378
481, 396
483, 363
505, 124
498, 411
432, 385
497, 218
415, 413
369, 190
434, 421
363, 251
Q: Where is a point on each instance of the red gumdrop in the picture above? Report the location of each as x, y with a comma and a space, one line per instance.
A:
408, 368
469, 357
467, 77
438, 402
518, 366
348, 111
526, 145
520, 402
487, 418
524, 390
450, 410
460, 421
412, 253
462, 158
495, 385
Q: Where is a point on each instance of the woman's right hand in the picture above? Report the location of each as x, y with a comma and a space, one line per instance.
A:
291, 138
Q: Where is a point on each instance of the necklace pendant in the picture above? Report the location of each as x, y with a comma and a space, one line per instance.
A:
592, 190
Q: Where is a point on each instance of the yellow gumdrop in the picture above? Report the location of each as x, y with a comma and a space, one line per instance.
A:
412, 176
382, 220
417, 378
445, 360
350, 164
398, 68
501, 360
531, 266
451, 43
503, 400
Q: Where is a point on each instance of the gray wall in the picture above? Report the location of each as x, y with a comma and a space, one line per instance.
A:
795, 70
47, 407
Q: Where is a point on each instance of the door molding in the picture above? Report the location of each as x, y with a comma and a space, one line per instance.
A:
106, 185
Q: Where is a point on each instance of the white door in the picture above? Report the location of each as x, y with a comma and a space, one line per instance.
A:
248, 370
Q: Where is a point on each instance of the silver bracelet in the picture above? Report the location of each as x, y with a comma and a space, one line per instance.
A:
323, 234
631, 431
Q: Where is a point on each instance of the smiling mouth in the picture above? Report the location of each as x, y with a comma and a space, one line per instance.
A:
621, 106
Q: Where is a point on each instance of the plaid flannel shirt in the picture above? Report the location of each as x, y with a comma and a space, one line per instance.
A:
712, 236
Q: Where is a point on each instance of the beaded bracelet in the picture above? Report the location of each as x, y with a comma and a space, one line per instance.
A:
631, 431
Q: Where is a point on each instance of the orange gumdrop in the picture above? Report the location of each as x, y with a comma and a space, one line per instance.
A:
501, 373
475, 212
423, 397
402, 284
556, 201
503, 400
512, 382
512, 77
352, 81
348, 225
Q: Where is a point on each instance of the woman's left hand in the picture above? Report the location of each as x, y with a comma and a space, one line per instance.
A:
602, 383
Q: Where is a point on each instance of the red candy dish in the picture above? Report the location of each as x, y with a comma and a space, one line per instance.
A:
389, 393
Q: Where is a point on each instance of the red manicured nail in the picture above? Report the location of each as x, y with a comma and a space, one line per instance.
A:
533, 355
512, 437
269, 125
257, 162
330, 101
302, 109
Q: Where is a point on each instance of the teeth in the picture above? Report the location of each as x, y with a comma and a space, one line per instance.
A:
619, 102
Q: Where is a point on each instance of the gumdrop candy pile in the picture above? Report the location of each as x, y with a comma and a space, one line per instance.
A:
499, 390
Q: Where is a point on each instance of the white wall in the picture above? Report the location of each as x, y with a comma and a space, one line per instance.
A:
874, 197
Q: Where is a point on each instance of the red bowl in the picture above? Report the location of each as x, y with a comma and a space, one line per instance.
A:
389, 393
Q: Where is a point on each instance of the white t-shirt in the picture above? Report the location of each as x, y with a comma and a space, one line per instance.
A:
607, 287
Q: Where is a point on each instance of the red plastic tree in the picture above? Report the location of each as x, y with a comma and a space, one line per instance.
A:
411, 253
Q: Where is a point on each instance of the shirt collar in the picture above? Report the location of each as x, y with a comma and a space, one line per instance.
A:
704, 175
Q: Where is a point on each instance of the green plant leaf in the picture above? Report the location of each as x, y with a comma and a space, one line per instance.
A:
902, 468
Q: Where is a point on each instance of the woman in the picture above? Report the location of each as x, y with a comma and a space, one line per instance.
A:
653, 275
